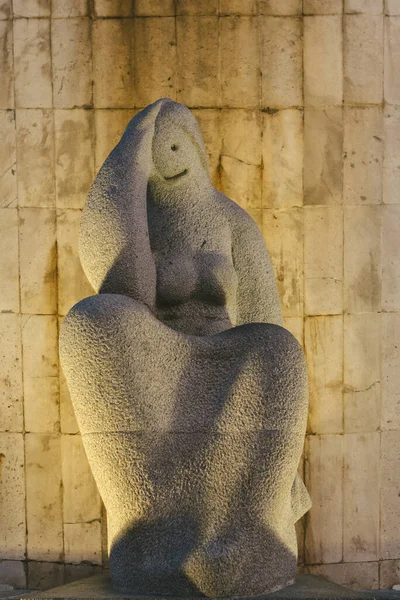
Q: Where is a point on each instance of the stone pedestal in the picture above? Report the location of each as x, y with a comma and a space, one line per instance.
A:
306, 587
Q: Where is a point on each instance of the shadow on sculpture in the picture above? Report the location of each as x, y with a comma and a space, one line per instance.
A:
165, 537
190, 396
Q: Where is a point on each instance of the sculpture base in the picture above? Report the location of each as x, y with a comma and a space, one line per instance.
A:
306, 587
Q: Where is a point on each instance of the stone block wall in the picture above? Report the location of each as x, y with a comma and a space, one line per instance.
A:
299, 103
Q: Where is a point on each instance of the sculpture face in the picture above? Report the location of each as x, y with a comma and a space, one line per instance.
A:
178, 151
193, 427
174, 154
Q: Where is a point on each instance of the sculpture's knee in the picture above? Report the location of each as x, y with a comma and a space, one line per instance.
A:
276, 346
281, 366
99, 323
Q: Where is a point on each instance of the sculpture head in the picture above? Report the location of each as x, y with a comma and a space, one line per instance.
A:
160, 156
179, 155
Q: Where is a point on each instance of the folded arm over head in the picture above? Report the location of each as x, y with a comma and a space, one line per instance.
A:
114, 244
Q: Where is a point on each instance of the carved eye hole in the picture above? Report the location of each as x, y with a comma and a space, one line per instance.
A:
174, 147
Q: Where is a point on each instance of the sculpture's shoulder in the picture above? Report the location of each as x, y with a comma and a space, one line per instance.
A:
241, 223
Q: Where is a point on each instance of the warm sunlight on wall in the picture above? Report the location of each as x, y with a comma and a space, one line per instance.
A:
312, 153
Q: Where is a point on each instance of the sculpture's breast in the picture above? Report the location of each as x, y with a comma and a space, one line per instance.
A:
177, 277
209, 276
217, 280
196, 291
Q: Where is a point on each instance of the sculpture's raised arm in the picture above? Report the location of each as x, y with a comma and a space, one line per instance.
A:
114, 242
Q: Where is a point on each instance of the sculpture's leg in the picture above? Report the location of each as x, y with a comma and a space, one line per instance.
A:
194, 444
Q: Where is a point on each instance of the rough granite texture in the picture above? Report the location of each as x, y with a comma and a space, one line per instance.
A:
190, 396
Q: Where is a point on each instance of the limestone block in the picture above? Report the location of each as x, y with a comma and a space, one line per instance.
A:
392, 7
77, 572
356, 576
391, 155
361, 497
283, 234
42, 393
362, 372
296, 326
281, 7
154, 59
281, 61
197, 83
8, 157
324, 352
300, 541
241, 182
371, 7
113, 49
31, 8
9, 276
363, 58
323, 60
5, 9
74, 143
194, 7
240, 132
71, 62
44, 497
389, 574
324, 474
390, 371
363, 155
322, 7
209, 123
323, 149
323, 259
149, 8
12, 572
282, 145
45, 575
83, 542
72, 282
390, 258
362, 258
114, 8
6, 66
74, 8
392, 57
390, 490
238, 7
81, 500
35, 152
38, 260
67, 416
39, 338
11, 412
239, 62
40, 367
32, 63
109, 126
12, 497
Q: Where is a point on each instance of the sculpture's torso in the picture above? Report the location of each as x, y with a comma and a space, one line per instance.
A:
196, 278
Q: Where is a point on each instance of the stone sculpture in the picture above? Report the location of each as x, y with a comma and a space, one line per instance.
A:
190, 396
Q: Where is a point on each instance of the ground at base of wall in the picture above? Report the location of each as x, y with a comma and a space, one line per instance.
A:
306, 587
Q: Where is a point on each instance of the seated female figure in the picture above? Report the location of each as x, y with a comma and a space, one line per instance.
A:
190, 396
